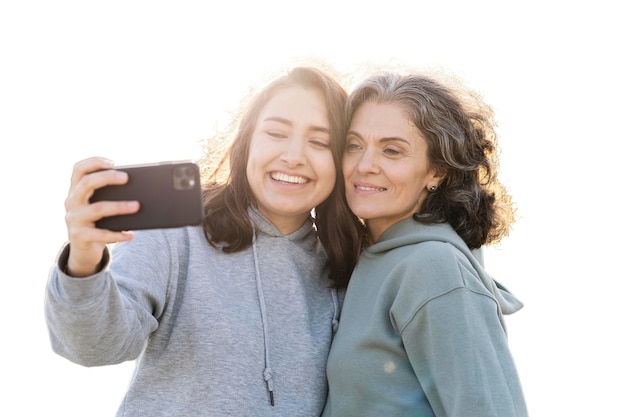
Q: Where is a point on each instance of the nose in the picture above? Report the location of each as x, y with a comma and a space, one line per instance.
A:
368, 163
293, 153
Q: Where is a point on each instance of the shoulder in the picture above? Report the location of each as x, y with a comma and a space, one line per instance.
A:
432, 260
430, 271
427, 270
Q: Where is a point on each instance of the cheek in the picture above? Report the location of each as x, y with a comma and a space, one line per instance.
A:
250, 168
325, 173
330, 171
347, 166
254, 173
257, 156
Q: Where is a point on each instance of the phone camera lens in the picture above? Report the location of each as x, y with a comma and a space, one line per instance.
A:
184, 178
187, 183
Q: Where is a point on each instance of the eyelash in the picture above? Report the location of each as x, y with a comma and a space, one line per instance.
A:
391, 152
275, 134
320, 143
354, 147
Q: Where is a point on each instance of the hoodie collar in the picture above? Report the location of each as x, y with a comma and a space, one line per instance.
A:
264, 226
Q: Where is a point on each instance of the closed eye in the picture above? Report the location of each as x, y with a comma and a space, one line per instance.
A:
276, 134
319, 143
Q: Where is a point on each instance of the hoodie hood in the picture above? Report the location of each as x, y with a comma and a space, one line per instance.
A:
411, 232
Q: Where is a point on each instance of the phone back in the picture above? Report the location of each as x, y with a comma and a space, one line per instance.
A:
169, 194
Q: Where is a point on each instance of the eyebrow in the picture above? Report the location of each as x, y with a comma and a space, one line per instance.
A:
287, 122
383, 139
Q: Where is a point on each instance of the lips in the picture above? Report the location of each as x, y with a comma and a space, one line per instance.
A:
368, 188
288, 179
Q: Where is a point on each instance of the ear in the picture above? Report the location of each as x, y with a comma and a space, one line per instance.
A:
435, 177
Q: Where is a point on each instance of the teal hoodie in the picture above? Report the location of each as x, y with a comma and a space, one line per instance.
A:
422, 332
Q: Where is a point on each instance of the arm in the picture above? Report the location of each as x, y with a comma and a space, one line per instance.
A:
107, 317
91, 320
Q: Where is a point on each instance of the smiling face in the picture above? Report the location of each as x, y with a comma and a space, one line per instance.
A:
385, 166
290, 166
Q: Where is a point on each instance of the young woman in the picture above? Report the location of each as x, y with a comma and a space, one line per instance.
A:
422, 332
234, 317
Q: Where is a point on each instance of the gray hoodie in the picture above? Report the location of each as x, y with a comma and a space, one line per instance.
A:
215, 334
422, 332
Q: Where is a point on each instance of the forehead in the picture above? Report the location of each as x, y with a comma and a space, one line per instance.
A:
382, 119
297, 105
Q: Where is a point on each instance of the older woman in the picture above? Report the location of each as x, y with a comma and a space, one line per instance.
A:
422, 331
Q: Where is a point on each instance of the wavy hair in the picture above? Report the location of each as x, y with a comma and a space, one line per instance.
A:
228, 196
459, 129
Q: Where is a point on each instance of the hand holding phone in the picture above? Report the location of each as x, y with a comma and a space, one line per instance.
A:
169, 194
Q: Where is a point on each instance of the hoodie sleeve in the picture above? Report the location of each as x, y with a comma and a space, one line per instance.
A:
455, 340
106, 318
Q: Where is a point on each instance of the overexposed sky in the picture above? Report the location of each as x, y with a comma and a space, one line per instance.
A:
140, 81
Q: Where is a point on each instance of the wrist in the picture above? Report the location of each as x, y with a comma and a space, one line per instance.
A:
74, 269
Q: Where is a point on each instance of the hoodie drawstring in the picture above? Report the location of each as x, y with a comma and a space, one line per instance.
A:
333, 293
267, 372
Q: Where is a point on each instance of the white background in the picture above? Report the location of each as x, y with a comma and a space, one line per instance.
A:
147, 81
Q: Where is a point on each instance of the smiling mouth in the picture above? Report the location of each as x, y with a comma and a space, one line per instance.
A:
366, 188
288, 179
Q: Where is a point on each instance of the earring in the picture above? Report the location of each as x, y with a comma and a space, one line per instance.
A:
432, 188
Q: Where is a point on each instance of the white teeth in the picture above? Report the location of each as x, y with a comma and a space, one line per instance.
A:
363, 188
279, 176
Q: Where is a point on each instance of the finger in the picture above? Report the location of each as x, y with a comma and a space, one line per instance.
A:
102, 209
84, 237
81, 191
87, 166
86, 215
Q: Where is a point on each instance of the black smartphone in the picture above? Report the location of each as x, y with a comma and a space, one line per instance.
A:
169, 193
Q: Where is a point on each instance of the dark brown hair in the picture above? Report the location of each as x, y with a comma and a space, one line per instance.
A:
459, 129
228, 196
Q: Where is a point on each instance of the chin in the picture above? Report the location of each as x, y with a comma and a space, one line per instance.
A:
364, 214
